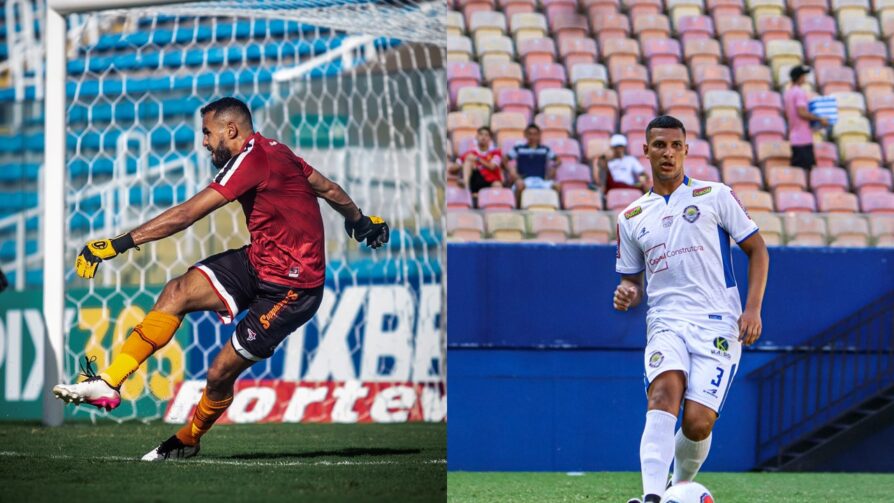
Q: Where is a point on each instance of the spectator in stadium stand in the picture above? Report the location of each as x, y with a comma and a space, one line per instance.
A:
622, 171
532, 165
798, 117
482, 166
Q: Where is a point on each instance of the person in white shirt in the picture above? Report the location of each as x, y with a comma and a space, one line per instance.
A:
622, 170
678, 234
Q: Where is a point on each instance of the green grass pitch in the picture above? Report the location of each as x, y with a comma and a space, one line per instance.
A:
486, 487
258, 463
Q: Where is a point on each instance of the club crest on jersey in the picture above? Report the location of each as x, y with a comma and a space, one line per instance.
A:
700, 192
655, 359
691, 213
633, 212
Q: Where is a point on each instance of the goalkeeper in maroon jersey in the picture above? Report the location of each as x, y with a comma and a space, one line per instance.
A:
278, 277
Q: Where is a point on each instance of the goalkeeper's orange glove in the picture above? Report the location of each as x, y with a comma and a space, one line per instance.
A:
371, 228
101, 249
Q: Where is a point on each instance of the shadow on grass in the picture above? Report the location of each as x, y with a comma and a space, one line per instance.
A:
350, 452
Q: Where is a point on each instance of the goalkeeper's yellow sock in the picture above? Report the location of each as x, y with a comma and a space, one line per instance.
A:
152, 334
203, 419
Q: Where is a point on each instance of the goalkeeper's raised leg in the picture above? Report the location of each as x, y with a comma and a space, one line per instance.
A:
278, 277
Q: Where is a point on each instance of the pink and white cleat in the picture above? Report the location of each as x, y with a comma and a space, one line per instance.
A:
92, 391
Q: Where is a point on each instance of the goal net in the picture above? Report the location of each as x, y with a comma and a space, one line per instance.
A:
357, 88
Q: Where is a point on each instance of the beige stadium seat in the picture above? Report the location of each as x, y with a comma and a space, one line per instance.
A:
772, 154
860, 29
549, 227
805, 229
508, 125
585, 76
882, 227
456, 24
620, 52
848, 230
528, 25
668, 78
770, 226
495, 50
851, 130
540, 200
682, 8
784, 53
503, 76
878, 80
593, 226
463, 125
556, 101
505, 226
857, 155
786, 178
848, 9
850, 104
716, 103
733, 153
756, 201
724, 128
486, 24
761, 8
478, 101
465, 225
459, 49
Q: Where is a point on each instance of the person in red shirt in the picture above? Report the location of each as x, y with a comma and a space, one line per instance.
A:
278, 277
482, 165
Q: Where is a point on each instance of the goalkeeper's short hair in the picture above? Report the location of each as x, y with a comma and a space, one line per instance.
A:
229, 105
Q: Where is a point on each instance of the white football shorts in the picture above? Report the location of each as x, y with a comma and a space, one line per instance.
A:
708, 356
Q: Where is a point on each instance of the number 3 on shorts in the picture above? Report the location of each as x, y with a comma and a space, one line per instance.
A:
716, 381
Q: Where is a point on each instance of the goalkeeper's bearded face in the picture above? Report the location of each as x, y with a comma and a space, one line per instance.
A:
215, 131
220, 155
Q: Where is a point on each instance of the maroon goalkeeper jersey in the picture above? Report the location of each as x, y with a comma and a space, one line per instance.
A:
281, 212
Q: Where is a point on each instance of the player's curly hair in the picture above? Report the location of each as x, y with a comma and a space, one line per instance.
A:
665, 122
229, 105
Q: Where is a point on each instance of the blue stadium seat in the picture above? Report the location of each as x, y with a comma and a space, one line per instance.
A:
8, 249
12, 173
33, 277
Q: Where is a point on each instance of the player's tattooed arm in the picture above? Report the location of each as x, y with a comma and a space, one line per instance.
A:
750, 326
178, 218
336, 196
629, 293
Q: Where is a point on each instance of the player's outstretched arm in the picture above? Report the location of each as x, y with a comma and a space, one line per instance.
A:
750, 326
171, 221
371, 228
629, 293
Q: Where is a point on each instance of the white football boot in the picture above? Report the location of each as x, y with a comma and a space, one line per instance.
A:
170, 449
92, 391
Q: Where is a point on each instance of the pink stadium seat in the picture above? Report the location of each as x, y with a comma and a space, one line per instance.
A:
508, 125
502, 75
753, 78
470, 8
724, 127
872, 180
743, 178
733, 153
590, 126
658, 51
711, 77
582, 200
567, 150
763, 103
825, 53
704, 172
555, 8
535, 51
462, 125
744, 52
600, 102
547, 76
554, 125
867, 54
701, 51
596, 8
815, 28
513, 7
493, 199
650, 26
861, 155
826, 154
699, 152
838, 202
574, 176
629, 78
763, 128
877, 202
458, 198
725, 8
550, 227
691, 122
592, 226
809, 8
516, 100
618, 199
756, 200
462, 74
774, 154
634, 124
836, 80
638, 102
679, 102
774, 28
578, 50
695, 27
735, 27
465, 225
880, 106
567, 26
643, 7
786, 178
823, 180
884, 129
464, 145
609, 26
670, 77
795, 201
876, 80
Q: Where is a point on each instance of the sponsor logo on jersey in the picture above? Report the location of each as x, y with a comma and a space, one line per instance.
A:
655, 359
691, 213
294, 271
700, 192
271, 315
733, 192
667, 221
721, 348
633, 212
715, 317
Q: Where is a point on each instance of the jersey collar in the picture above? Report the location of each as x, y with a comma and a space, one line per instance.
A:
686, 181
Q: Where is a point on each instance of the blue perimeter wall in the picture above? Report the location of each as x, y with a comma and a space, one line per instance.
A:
545, 375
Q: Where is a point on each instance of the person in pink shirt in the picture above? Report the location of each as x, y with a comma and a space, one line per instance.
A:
796, 113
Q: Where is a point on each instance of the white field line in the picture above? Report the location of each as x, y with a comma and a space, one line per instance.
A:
205, 461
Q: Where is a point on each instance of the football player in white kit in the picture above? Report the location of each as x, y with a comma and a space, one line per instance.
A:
679, 235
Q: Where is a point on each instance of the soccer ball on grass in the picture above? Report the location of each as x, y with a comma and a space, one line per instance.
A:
687, 492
